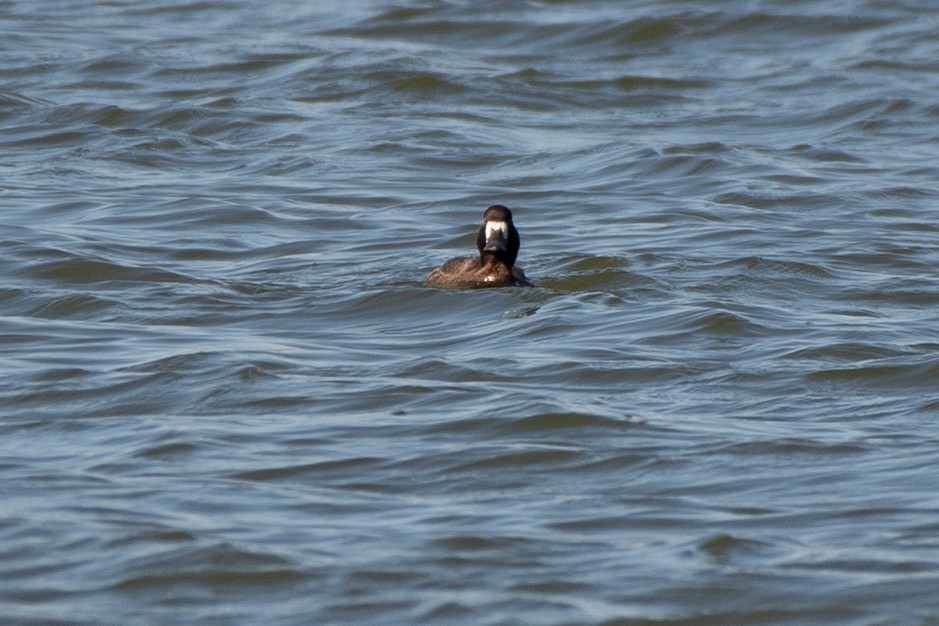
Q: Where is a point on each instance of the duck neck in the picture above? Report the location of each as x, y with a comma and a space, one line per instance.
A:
489, 260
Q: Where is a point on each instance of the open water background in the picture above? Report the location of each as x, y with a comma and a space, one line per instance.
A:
228, 398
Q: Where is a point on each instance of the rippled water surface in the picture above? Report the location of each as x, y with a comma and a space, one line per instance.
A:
229, 397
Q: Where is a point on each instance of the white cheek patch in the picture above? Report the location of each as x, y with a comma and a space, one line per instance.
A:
494, 226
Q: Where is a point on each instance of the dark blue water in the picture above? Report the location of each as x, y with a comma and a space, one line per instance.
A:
228, 396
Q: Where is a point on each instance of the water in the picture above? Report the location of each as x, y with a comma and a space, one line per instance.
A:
229, 398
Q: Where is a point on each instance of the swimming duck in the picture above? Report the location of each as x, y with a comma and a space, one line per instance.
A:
498, 244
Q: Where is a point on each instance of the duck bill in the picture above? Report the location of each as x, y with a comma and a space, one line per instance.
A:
495, 240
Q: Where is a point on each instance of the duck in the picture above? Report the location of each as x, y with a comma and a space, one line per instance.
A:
498, 243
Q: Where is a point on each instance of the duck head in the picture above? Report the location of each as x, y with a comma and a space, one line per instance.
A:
498, 239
